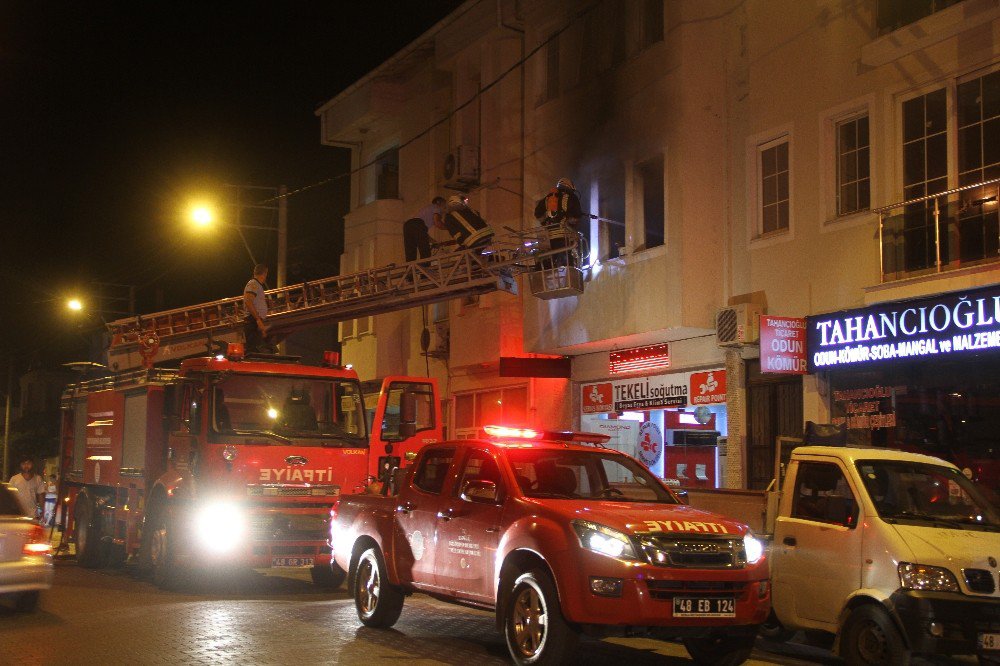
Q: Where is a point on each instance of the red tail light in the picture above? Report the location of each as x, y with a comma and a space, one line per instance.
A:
37, 543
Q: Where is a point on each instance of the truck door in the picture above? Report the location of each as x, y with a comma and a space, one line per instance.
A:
469, 528
416, 518
185, 427
817, 545
407, 417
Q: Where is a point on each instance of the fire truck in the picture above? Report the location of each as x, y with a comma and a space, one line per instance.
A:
233, 459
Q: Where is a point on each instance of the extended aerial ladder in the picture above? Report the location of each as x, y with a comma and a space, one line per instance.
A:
145, 340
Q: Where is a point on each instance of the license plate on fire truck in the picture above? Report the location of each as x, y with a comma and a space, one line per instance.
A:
291, 561
704, 607
989, 642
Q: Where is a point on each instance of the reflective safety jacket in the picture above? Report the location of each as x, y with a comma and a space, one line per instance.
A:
467, 228
560, 212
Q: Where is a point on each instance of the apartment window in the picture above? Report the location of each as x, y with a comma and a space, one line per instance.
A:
652, 22
551, 90
894, 14
650, 176
387, 174
925, 171
611, 210
774, 190
853, 166
504, 406
977, 232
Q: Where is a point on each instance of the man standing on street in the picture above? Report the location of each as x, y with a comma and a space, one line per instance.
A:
255, 302
416, 230
29, 486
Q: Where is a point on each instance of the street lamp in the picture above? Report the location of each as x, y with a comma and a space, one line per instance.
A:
74, 304
248, 197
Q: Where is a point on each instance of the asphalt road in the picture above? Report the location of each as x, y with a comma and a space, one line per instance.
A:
111, 617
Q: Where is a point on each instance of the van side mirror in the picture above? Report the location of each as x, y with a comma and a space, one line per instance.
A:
407, 415
484, 492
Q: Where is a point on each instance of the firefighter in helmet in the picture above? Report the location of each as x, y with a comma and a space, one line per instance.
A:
465, 225
559, 212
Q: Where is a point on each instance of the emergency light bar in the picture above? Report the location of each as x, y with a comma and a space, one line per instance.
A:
504, 432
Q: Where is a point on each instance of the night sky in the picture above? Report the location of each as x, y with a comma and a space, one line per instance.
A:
115, 115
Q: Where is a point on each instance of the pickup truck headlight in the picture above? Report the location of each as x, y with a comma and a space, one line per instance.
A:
604, 540
753, 547
925, 577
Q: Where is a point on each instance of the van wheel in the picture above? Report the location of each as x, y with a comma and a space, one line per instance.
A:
722, 649
534, 626
328, 577
773, 630
159, 552
870, 637
90, 550
27, 602
377, 601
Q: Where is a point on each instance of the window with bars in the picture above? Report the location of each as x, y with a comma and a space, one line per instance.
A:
503, 406
853, 166
774, 186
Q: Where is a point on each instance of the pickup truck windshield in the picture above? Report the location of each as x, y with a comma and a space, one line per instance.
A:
281, 409
928, 494
567, 474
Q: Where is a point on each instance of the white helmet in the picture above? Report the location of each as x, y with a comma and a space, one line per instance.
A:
565, 184
455, 201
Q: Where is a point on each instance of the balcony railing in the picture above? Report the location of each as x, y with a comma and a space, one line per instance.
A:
940, 232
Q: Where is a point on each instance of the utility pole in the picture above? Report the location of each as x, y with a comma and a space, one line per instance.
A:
6, 420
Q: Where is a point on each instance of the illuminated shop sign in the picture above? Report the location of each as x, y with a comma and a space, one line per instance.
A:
682, 389
955, 323
640, 358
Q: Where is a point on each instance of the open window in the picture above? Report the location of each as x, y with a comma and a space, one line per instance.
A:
822, 494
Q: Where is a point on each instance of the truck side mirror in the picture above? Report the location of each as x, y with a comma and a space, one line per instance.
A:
407, 415
484, 492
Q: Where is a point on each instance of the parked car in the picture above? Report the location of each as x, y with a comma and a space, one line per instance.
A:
25, 554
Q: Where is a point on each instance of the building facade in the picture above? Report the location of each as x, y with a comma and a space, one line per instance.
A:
734, 159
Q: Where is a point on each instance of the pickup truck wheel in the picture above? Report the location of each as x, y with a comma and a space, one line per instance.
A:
90, 549
773, 630
329, 577
870, 637
534, 626
378, 602
722, 649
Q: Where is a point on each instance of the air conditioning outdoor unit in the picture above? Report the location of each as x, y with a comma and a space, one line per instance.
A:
738, 325
461, 167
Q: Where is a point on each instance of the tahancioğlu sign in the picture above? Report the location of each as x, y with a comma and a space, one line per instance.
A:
782, 345
680, 389
957, 322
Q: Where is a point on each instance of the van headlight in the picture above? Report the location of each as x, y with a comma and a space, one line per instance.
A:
219, 527
926, 577
604, 540
753, 547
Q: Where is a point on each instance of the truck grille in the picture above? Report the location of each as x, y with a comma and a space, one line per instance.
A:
665, 590
281, 526
279, 490
980, 580
694, 553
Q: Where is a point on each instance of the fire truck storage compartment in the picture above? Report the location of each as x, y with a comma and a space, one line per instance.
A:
79, 433
134, 435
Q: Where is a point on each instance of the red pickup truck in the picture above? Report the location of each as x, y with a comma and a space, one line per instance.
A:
560, 536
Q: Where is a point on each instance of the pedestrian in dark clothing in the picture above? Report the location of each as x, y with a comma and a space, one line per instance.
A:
255, 302
416, 230
559, 212
465, 225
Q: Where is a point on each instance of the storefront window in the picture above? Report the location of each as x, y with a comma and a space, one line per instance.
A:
947, 409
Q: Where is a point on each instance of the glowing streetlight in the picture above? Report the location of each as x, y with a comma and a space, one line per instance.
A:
202, 216
74, 304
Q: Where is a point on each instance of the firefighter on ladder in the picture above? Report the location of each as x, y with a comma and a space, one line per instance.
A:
465, 225
559, 212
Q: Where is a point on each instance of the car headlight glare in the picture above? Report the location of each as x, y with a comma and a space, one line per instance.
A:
219, 527
753, 547
604, 540
926, 577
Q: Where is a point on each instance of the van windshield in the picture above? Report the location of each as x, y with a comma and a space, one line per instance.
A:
281, 408
557, 474
924, 493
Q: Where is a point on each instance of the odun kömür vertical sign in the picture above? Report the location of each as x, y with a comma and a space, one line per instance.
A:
782, 345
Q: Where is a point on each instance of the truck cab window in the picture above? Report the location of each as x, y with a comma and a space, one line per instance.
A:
480, 466
433, 470
424, 395
822, 494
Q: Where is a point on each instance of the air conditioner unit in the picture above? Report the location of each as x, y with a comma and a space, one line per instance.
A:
738, 325
461, 167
